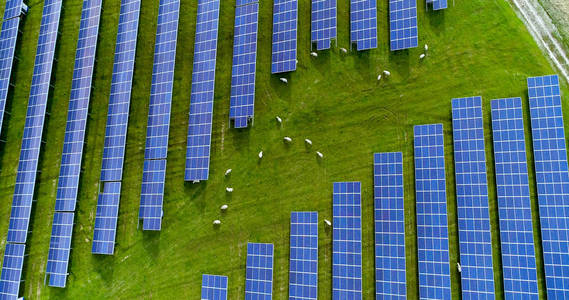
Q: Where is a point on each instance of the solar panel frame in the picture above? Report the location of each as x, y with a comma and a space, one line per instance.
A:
389, 221
106, 219
303, 271
214, 287
152, 194
12, 266
242, 100
474, 230
363, 24
259, 273
59, 248
203, 86
514, 203
432, 228
347, 241
285, 25
403, 29
438, 4
323, 23
552, 178
158, 126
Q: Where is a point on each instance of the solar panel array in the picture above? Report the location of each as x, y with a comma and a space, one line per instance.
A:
59, 248
438, 4
8, 38
363, 24
285, 14
259, 275
552, 177
115, 133
203, 86
12, 271
323, 23
389, 219
432, 224
156, 151
403, 30
31, 141
514, 205
242, 102
477, 276
303, 276
68, 184
214, 287
347, 241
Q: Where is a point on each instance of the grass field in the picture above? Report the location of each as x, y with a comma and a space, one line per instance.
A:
477, 47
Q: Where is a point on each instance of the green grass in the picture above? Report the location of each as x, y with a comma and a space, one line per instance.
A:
477, 47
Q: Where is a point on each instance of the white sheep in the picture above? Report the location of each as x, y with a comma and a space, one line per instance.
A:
287, 139
379, 77
319, 154
459, 267
261, 154
314, 54
279, 119
422, 56
309, 142
344, 50
229, 189
228, 172
216, 222
284, 80
426, 47
224, 207
327, 222
387, 73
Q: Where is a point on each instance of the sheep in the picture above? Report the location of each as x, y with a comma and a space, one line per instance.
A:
279, 119
314, 54
379, 77
287, 139
260, 154
319, 154
344, 50
387, 73
228, 172
284, 80
216, 222
426, 47
459, 267
229, 189
224, 207
327, 222
422, 56
309, 142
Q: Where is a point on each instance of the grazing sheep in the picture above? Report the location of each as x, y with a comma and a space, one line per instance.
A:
314, 54
422, 56
387, 73
228, 172
309, 142
284, 80
287, 139
229, 189
344, 50
327, 222
224, 207
261, 154
279, 119
216, 222
319, 154
379, 77
426, 47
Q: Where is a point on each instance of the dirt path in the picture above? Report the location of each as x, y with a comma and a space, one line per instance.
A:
544, 32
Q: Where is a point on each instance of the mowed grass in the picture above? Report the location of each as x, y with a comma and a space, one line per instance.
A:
477, 47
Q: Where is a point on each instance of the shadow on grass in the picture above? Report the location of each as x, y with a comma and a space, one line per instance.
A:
151, 243
401, 60
437, 21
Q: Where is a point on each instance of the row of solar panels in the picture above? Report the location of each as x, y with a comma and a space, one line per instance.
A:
476, 267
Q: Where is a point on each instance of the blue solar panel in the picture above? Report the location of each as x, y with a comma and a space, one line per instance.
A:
323, 23
552, 177
12, 271
403, 31
8, 37
432, 224
285, 13
477, 276
162, 80
214, 287
438, 4
259, 275
106, 219
121, 86
303, 276
203, 85
152, 195
363, 23
389, 217
347, 241
59, 248
68, 183
242, 103
514, 205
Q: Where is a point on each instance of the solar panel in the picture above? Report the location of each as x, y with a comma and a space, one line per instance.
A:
152, 195
389, 217
552, 177
303, 276
363, 24
347, 241
71, 157
514, 205
203, 85
117, 125
242, 102
438, 4
403, 24
323, 23
12, 271
8, 38
106, 219
432, 224
162, 80
214, 287
59, 248
285, 13
477, 276
121, 86
259, 275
